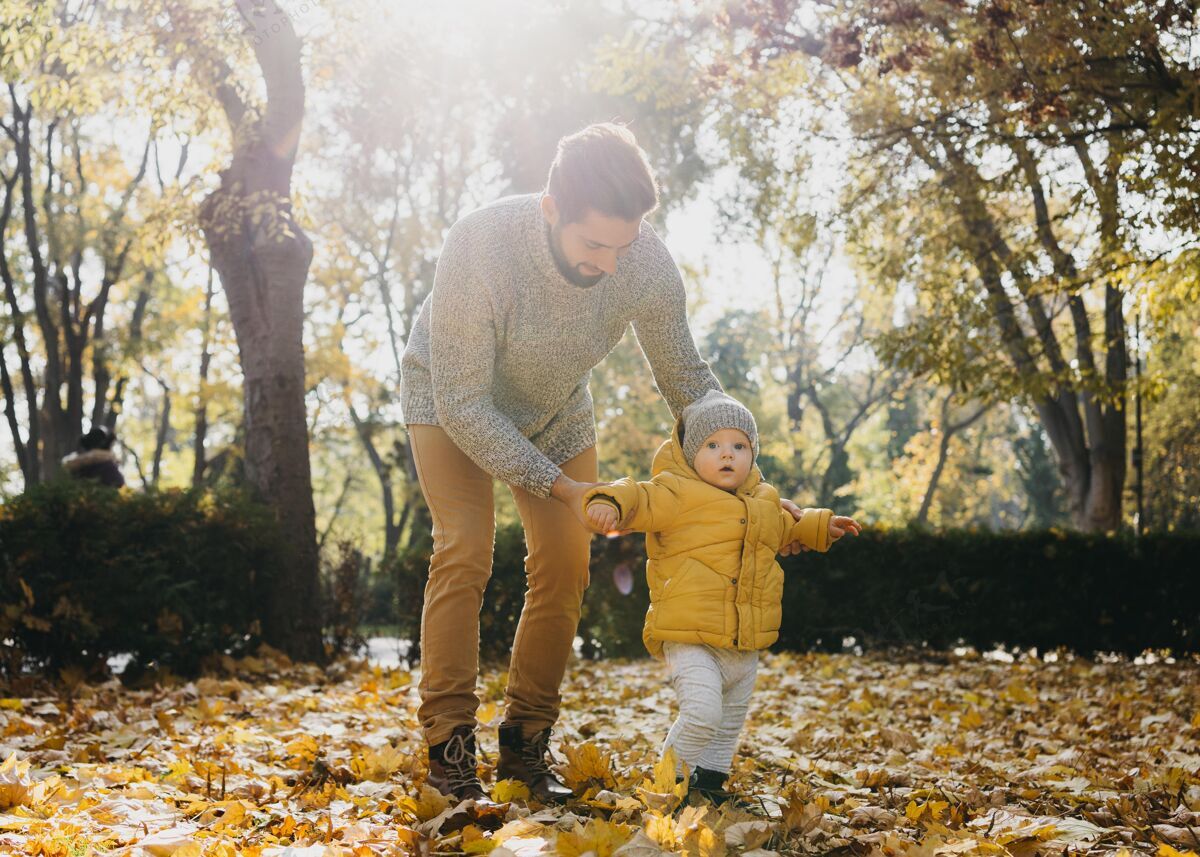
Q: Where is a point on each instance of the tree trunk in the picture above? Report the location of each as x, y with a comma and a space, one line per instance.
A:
262, 258
200, 455
1090, 448
949, 430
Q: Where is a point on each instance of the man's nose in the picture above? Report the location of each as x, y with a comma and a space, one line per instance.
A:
607, 263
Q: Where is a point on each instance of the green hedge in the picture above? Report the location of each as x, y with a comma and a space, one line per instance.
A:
907, 588
169, 577
1047, 590
610, 626
173, 577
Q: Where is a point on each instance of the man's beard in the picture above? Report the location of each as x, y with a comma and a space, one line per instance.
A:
573, 275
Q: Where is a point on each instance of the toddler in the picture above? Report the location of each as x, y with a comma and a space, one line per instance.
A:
713, 528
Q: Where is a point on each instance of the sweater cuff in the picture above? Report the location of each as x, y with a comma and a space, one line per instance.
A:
542, 478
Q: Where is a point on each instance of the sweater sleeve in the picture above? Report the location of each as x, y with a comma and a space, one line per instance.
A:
462, 356
664, 336
812, 530
645, 507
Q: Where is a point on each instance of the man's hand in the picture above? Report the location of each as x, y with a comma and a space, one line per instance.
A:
602, 516
567, 490
839, 525
797, 513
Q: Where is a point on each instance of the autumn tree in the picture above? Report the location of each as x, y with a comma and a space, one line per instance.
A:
1006, 150
77, 233
262, 256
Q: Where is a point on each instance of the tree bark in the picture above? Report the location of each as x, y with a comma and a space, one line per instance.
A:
262, 258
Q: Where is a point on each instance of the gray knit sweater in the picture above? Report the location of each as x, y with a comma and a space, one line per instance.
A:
503, 347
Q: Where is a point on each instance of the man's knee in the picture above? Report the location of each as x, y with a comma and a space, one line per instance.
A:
564, 574
461, 562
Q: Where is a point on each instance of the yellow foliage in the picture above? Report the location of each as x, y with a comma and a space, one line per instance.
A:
507, 790
599, 837
377, 764
14, 782
588, 764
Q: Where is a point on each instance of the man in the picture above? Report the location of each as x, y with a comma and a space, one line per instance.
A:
530, 293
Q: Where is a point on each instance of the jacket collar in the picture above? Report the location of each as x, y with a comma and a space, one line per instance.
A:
78, 460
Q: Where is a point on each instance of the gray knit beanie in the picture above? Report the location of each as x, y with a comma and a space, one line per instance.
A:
710, 413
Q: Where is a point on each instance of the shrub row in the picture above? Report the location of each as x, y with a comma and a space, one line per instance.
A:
912, 588
174, 577
167, 577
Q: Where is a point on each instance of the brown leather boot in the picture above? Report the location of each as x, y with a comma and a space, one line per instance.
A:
452, 771
452, 766
528, 760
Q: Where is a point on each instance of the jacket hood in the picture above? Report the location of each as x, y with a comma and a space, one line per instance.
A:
78, 460
670, 459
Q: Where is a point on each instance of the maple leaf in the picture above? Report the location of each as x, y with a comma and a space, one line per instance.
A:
587, 765
665, 789
14, 782
599, 837
507, 790
378, 764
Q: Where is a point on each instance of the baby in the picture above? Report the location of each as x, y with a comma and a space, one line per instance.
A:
713, 528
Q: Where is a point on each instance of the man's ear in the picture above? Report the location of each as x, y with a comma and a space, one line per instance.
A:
550, 210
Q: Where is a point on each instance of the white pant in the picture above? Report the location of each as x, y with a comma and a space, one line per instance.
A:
713, 687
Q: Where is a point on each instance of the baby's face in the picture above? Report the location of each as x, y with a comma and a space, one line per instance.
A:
725, 458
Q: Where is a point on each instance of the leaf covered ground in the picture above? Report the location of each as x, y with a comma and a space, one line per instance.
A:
843, 754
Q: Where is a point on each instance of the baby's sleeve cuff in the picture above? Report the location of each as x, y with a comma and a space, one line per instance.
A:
596, 495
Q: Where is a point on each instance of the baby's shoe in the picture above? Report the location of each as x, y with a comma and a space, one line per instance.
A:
709, 786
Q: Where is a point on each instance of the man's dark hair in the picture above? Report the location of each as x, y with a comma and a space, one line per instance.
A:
602, 168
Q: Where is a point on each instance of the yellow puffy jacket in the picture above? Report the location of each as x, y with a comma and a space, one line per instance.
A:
711, 553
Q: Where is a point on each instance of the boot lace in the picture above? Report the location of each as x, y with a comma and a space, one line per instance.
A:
460, 763
535, 753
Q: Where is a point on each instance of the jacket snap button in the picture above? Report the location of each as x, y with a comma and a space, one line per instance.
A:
743, 520
734, 581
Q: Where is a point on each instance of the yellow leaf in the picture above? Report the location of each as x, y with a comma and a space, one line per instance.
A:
430, 803
506, 790
12, 705
14, 782
304, 746
599, 837
663, 830
487, 713
1020, 692
586, 764
664, 773
971, 720
376, 765
1165, 850
474, 842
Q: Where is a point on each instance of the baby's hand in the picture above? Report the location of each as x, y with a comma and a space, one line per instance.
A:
839, 525
602, 516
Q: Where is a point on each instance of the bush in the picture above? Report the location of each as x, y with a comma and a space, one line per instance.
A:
611, 624
1048, 589
1044, 589
169, 577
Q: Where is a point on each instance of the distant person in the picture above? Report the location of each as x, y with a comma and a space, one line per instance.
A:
716, 590
95, 459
